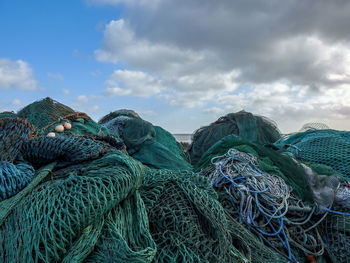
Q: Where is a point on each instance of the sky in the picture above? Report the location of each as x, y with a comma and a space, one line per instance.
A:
180, 64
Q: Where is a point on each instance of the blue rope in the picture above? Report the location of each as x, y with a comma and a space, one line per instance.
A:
336, 212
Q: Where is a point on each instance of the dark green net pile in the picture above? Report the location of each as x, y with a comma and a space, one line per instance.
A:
121, 190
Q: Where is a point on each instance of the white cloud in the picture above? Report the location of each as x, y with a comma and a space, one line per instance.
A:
56, 76
95, 108
16, 75
16, 102
190, 77
82, 99
132, 83
290, 106
286, 61
214, 110
65, 91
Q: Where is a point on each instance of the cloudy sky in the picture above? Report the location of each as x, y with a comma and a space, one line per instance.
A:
181, 64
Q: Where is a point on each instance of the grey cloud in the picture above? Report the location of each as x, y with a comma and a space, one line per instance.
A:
289, 60
245, 34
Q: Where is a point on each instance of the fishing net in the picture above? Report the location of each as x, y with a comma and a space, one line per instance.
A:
244, 124
186, 220
7, 115
336, 232
327, 147
80, 197
46, 114
13, 176
314, 126
269, 160
264, 204
83, 210
151, 145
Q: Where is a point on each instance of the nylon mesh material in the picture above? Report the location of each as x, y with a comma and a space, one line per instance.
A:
336, 231
171, 197
264, 204
7, 115
46, 114
327, 147
244, 124
13, 178
151, 145
83, 197
60, 212
269, 161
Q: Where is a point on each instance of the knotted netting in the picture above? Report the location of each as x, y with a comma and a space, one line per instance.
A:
336, 231
14, 176
79, 197
186, 220
265, 204
270, 161
47, 113
151, 145
328, 147
244, 124
69, 217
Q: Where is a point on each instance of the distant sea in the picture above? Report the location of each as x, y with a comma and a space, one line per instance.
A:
182, 137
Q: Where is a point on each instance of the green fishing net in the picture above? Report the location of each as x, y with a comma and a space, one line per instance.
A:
80, 197
46, 114
65, 216
151, 145
244, 124
336, 232
327, 147
269, 160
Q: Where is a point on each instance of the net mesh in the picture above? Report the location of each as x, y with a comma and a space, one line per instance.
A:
60, 211
327, 147
244, 124
264, 204
269, 161
151, 145
83, 196
336, 231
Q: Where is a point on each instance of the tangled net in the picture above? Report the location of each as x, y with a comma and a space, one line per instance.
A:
264, 204
254, 128
327, 147
122, 191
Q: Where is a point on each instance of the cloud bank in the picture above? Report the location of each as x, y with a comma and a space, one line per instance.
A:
288, 60
16, 75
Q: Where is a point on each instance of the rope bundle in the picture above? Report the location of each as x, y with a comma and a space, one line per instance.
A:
264, 203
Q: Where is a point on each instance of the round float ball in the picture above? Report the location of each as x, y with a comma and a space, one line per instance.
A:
67, 126
59, 128
51, 134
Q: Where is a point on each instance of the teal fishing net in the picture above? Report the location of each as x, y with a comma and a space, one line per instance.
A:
327, 147
151, 145
82, 196
244, 124
269, 160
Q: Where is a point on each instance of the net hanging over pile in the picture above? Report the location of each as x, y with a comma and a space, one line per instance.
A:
244, 124
327, 147
121, 191
151, 145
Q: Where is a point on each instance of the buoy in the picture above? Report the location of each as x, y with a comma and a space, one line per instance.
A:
67, 126
59, 128
51, 134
